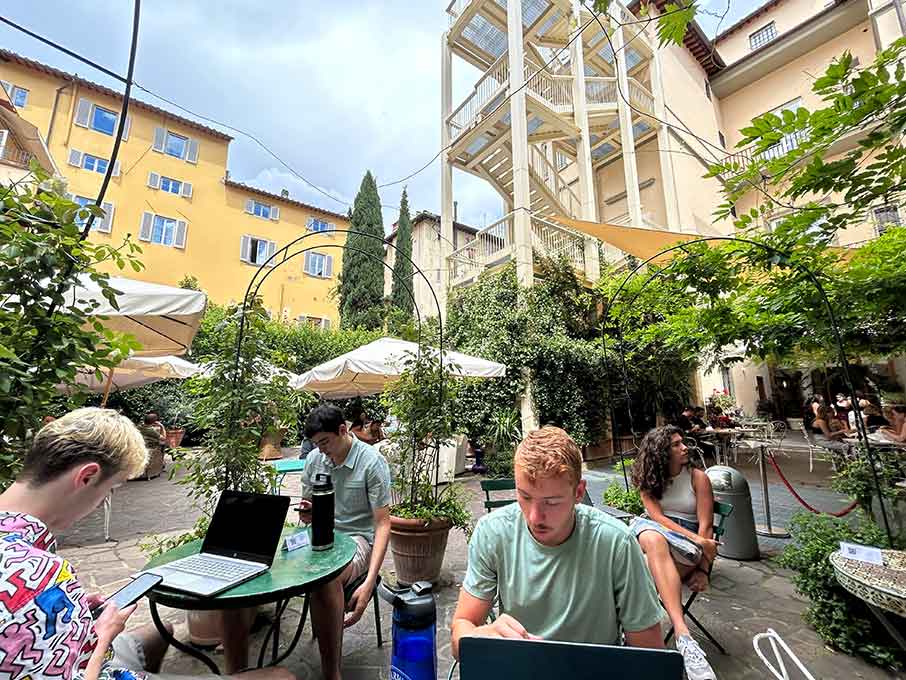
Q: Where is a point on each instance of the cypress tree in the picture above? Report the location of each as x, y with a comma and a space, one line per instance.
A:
361, 289
402, 267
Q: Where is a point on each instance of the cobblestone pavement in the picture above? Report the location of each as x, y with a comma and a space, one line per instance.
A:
746, 597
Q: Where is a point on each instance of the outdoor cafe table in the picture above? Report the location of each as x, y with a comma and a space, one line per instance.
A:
881, 587
292, 574
283, 467
724, 436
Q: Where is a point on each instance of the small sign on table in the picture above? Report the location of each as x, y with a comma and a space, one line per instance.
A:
863, 553
295, 541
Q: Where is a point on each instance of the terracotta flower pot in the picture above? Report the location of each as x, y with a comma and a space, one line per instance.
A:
205, 626
418, 548
174, 436
270, 445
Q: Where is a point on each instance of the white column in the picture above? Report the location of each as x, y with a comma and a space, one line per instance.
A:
630, 171
522, 223
527, 405
665, 155
446, 173
588, 205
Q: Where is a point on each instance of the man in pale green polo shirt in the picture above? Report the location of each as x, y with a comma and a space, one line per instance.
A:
561, 569
361, 480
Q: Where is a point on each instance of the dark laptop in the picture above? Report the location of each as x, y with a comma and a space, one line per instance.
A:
504, 659
241, 542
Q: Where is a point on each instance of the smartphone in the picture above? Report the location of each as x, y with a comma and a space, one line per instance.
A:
130, 593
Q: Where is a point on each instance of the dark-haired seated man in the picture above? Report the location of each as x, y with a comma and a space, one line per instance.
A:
46, 626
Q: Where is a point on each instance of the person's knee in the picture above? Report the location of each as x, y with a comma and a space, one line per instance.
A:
652, 542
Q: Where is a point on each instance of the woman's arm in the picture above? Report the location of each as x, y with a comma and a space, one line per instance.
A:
897, 436
826, 431
704, 503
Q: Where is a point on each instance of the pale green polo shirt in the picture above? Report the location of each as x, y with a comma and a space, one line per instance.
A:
361, 485
583, 590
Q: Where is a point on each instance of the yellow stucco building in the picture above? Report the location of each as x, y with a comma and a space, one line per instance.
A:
171, 192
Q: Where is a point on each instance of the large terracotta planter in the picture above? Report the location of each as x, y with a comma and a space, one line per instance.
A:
270, 445
174, 437
418, 548
205, 626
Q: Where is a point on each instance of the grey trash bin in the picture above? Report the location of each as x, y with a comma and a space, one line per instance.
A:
739, 541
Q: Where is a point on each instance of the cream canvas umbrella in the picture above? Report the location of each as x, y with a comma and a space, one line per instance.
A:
368, 369
163, 319
135, 372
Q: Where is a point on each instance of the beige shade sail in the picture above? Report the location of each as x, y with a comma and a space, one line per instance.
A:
640, 242
368, 369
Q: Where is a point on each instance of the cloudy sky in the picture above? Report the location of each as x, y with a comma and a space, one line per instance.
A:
334, 88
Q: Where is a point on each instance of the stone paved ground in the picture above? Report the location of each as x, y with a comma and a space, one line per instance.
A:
746, 597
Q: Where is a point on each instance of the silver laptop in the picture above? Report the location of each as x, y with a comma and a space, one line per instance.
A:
241, 542
507, 659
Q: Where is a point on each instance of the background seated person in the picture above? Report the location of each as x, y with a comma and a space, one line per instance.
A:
684, 420
897, 431
873, 418
677, 498
829, 431
361, 428
698, 419
561, 570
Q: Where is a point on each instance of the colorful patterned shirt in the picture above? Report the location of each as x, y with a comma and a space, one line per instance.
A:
46, 628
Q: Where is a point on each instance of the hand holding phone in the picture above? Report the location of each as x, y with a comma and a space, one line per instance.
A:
132, 592
304, 511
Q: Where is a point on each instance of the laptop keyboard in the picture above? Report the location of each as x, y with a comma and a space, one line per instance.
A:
203, 565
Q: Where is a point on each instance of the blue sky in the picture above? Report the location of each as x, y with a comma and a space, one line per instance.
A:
334, 88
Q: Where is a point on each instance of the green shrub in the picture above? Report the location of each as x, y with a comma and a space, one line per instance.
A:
842, 620
630, 501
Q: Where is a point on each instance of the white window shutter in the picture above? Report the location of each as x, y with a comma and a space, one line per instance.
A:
306, 267
116, 168
325, 324
192, 151
275, 213
83, 113
331, 228
179, 240
154, 180
160, 139
75, 157
250, 206
7, 86
309, 222
147, 221
187, 190
106, 225
271, 249
328, 266
245, 244
126, 128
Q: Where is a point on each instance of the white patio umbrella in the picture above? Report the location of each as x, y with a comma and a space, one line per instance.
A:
163, 319
368, 369
137, 371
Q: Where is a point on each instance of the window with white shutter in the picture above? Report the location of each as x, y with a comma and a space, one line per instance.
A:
192, 151
257, 251
153, 180
105, 225
162, 230
318, 265
187, 190
160, 139
179, 240
144, 233
75, 158
126, 128
83, 113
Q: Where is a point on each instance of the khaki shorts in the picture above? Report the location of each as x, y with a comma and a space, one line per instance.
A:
129, 653
360, 560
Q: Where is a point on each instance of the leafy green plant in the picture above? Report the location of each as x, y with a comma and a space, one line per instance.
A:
842, 620
505, 435
45, 337
855, 479
630, 501
421, 400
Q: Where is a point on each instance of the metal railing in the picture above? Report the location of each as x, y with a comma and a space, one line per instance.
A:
489, 87
455, 8
555, 90
549, 176
640, 97
13, 155
747, 155
552, 240
491, 245
600, 91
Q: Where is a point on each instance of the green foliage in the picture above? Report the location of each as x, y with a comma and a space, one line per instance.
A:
400, 297
170, 399
422, 400
505, 434
719, 400
842, 620
44, 336
672, 23
855, 479
617, 496
189, 282
361, 287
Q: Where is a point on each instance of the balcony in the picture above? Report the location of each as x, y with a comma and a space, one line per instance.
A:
494, 245
10, 154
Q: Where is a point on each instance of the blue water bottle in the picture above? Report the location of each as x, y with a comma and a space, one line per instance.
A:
414, 654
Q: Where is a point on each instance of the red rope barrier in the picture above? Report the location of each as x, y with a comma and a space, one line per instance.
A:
801, 500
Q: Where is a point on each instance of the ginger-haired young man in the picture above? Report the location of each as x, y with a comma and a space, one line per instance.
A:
561, 569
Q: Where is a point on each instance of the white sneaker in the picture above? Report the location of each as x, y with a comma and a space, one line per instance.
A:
697, 666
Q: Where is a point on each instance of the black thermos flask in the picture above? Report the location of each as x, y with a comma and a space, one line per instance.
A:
322, 513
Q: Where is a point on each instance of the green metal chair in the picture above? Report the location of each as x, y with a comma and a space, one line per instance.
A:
722, 510
491, 485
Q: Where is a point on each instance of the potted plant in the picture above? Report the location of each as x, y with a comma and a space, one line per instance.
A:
234, 405
423, 512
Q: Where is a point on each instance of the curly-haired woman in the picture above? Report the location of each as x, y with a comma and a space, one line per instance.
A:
677, 535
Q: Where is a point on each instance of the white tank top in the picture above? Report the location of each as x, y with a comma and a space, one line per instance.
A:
679, 497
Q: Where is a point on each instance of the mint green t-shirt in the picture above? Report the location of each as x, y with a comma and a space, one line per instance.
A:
583, 590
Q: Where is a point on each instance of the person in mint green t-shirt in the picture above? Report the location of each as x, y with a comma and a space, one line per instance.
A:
561, 570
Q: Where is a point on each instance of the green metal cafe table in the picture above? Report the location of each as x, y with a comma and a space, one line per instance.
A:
292, 574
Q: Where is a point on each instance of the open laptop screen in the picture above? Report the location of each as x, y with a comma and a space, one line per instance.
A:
246, 526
